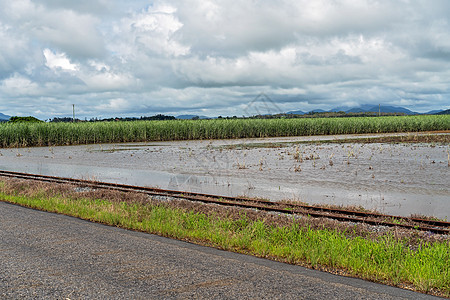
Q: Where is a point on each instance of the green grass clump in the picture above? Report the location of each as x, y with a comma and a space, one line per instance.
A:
51, 134
385, 260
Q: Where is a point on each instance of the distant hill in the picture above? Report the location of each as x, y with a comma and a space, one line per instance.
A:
374, 108
4, 117
359, 109
364, 108
316, 111
444, 112
300, 112
189, 117
296, 112
433, 112
355, 109
393, 109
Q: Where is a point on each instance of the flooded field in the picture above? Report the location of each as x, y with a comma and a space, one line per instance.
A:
399, 179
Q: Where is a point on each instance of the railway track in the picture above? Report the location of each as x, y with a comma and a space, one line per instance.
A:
434, 226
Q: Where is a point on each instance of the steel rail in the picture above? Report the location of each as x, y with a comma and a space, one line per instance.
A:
435, 226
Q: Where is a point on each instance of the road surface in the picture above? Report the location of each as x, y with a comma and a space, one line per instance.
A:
45, 255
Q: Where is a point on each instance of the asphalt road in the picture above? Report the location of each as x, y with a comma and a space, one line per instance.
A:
45, 255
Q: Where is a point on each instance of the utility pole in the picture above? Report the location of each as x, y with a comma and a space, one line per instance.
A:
73, 111
379, 109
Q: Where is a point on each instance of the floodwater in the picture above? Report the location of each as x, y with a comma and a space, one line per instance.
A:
400, 179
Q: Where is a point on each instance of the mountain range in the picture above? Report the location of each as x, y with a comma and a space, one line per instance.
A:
356, 109
4, 117
371, 108
443, 112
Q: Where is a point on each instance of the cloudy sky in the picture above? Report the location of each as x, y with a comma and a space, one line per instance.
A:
139, 58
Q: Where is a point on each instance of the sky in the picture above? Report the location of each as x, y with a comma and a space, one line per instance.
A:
136, 58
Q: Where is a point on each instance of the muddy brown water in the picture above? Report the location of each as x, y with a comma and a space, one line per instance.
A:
401, 179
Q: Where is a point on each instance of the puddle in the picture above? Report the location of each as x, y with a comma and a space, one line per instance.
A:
116, 150
399, 179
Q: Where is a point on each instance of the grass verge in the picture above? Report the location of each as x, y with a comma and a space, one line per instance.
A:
382, 258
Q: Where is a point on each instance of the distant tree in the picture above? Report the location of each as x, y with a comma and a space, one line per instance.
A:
142, 118
30, 119
160, 117
63, 120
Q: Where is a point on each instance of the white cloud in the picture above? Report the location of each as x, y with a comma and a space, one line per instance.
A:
113, 105
153, 30
106, 81
215, 56
18, 85
58, 61
14, 53
99, 66
69, 31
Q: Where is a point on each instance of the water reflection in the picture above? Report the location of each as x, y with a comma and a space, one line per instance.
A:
394, 179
